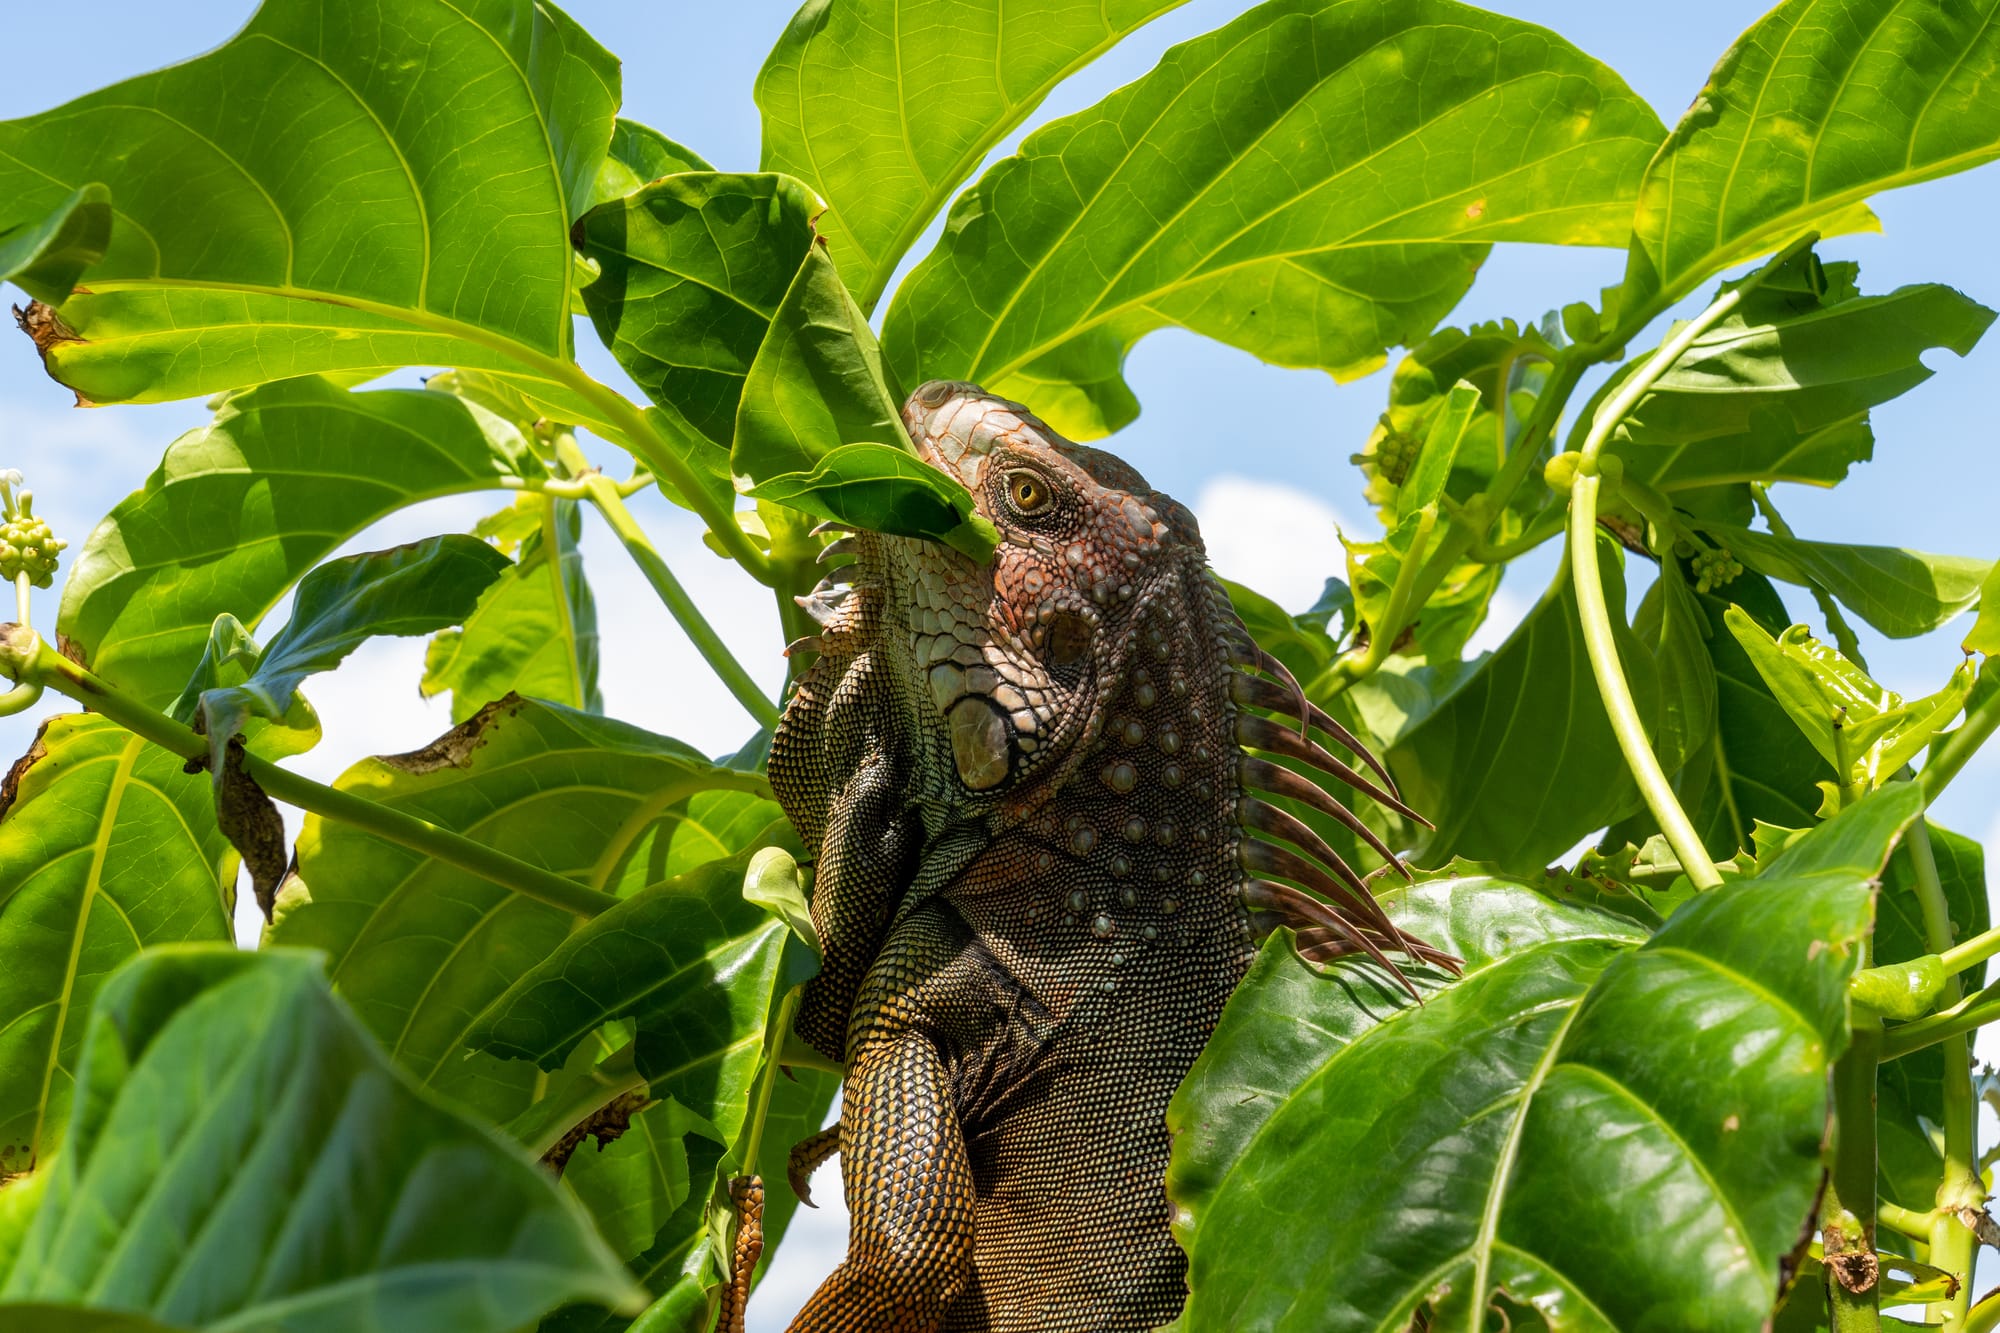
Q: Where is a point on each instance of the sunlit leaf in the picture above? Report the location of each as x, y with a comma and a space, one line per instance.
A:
1819, 105
240, 508
107, 847
419, 947
334, 189
230, 1087
1902, 593
534, 631
693, 268
1863, 731
1314, 183
820, 424
45, 257
1779, 390
886, 106
1623, 1131
638, 156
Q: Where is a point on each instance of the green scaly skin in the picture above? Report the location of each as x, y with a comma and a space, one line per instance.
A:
1037, 881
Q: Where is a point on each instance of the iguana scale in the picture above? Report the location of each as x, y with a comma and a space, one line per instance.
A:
1044, 856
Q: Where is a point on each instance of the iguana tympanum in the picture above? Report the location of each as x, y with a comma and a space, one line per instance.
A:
1043, 861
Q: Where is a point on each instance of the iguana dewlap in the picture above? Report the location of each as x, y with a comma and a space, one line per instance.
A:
1044, 858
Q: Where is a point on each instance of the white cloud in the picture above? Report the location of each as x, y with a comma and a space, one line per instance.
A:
1277, 539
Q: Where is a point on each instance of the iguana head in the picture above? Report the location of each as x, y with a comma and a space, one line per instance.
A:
1095, 639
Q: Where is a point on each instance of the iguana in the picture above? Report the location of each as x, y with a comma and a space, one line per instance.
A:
1044, 857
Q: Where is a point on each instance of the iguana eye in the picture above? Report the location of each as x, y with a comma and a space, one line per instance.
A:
1027, 493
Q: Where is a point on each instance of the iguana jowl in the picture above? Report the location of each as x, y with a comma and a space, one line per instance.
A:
1042, 869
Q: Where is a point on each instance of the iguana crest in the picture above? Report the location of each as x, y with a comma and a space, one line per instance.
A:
1045, 853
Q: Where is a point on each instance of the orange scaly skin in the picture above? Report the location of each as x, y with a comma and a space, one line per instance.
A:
1026, 788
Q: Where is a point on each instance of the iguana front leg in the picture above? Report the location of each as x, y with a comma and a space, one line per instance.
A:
907, 1176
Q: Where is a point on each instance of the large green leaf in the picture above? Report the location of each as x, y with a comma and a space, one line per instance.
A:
45, 257
1518, 760
886, 106
1901, 593
413, 589
1314, 183
419, 947
534, 631
240, 508
1819, 105
1624, 1135
692, 269
334, 189
1780, 389
242, 1156
107, 847
820, 425
690, 962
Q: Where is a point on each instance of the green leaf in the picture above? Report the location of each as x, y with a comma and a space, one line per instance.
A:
693, 268
885, 107
351, 1194
1518, 760
107, 847
406, 590
820, 425
46, 258
1901, 593
1313, 183
1865, 732
239, 509
534, 631
690, 961
1820, 104
419, 947
36, 1317
1984, 636
1624, 1133
640, 155
331, 190
1779, 390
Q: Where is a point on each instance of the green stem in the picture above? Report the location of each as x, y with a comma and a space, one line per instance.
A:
603, 493
1843, 633
1961, 957
1949, 755
1595, 617
25, 657
767, 1078
1968, 1015
1359, 663
1905, 1221
1952, 1242
1847, 1210
1619, 705
25, 692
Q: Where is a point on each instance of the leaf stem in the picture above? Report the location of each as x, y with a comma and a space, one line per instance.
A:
1950, 752
602, 492
26, 657
1952, 1242
1843, 632
1595, 618
1967, 1015
1847, 1210
1905, 1221
767, 1078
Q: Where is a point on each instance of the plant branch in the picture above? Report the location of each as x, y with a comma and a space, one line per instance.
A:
1967, 1015
603, 493
1595, 618
1952, 1242
767, 1078
1847, 1210
26, 657
1951, 751
1843, 633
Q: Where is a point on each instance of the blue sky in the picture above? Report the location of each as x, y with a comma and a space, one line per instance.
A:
1252, 448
